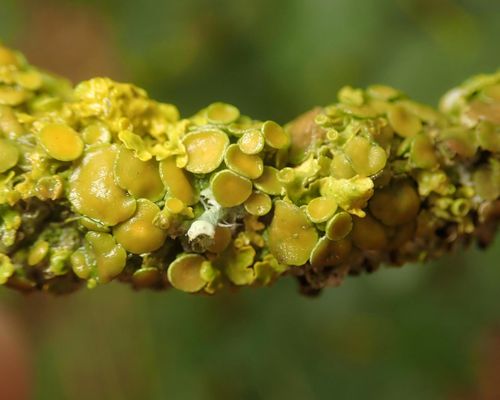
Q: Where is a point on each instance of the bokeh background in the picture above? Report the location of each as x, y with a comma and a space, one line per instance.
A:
421, 332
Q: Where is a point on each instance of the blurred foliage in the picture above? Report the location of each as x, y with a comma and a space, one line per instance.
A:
408, 334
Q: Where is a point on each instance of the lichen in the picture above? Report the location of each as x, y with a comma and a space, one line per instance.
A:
100, 182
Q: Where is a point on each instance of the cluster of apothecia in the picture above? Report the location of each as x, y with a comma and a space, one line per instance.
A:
100, 183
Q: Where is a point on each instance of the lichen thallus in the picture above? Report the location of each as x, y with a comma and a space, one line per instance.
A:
99, 182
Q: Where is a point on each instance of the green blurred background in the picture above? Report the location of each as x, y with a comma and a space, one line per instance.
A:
424, 332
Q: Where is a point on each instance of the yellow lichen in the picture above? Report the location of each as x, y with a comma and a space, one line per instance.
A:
291, 235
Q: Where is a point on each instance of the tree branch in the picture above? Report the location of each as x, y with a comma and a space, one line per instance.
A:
100, 182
